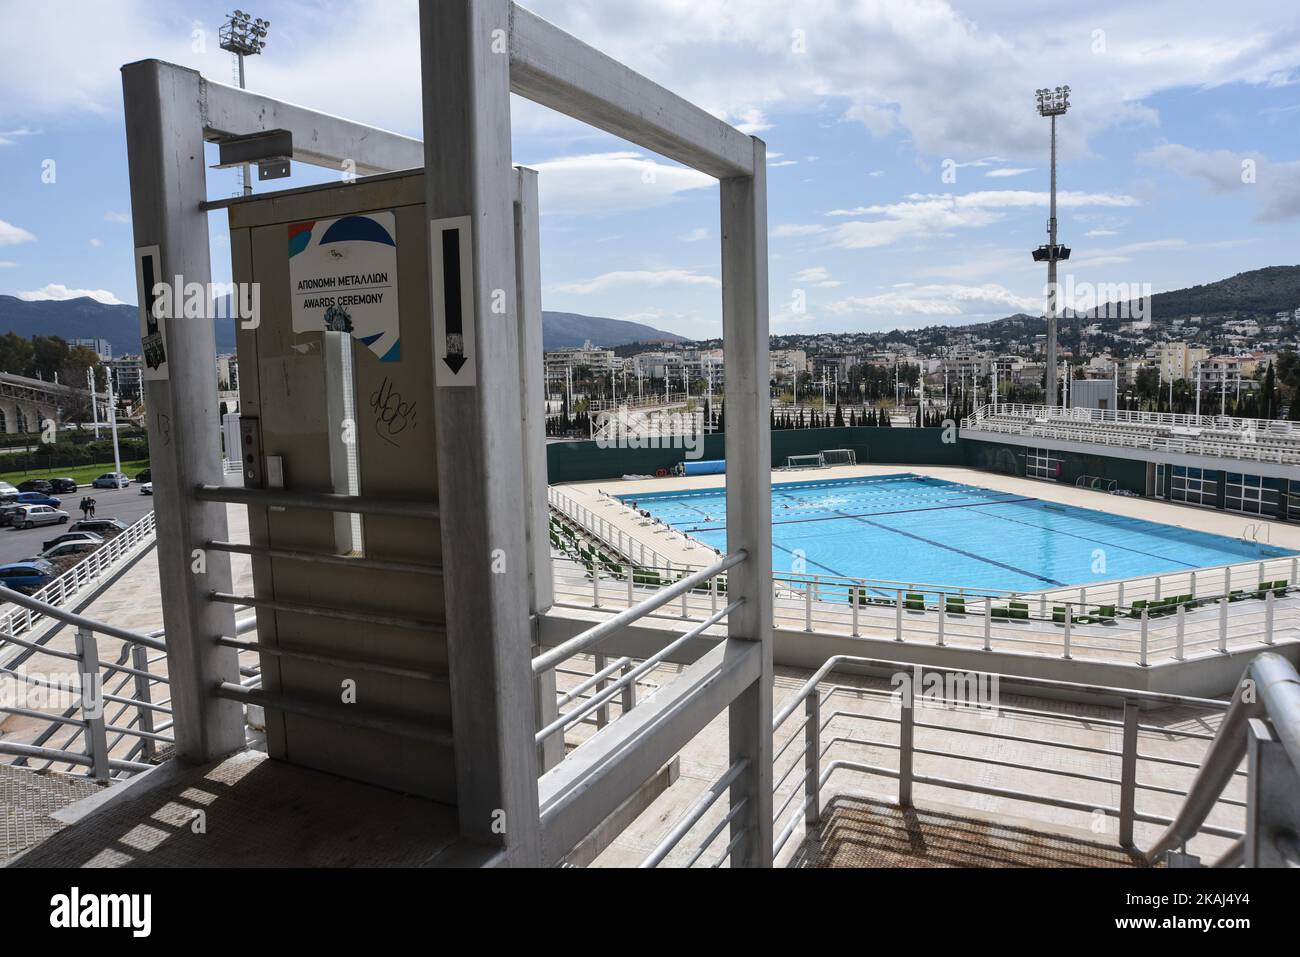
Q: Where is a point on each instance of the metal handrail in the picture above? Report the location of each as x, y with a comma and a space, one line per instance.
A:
92, 726
91, 569
592, 636
1269, 441
1270, 688
320, 501
818, 771
615, 539
1125, 621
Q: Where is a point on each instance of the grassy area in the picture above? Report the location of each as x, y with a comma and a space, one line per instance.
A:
81, 474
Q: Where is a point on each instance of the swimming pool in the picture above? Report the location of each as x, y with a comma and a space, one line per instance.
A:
912, 528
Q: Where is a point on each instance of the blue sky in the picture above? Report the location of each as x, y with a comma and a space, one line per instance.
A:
863, 106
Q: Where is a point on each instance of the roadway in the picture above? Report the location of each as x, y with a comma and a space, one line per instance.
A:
126, 504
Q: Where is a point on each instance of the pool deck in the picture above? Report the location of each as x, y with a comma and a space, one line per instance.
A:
681, 549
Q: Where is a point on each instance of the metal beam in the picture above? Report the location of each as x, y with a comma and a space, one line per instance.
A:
318, 138
749, 494
468, 174
550, 67
594, 780
168, 182
532, 390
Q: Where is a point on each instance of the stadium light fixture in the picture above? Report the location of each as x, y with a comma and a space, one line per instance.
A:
245, 35
1052, 103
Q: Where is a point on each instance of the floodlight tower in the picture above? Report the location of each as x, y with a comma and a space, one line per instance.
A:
1052, 103
243, 35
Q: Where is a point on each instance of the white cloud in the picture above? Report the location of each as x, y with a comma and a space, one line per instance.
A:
818, 276
607, 183
954, 76
96, 243
58, 291
7, 264
9, 137
752, 122
789, 230
640, 278
113, 217
876, 173
1098, 233
1274, 187
937, 300
934, 214
1007, 171
694, 236
11, 235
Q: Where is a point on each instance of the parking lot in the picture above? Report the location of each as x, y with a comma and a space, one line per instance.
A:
126, 504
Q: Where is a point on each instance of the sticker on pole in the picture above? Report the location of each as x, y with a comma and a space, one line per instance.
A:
451, 267
343, 278
153, 326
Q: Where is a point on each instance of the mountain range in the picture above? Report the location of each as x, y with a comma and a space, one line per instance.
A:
87, 318
1258, 292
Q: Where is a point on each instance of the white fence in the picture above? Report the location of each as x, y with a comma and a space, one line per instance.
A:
1248, 440
1224, 609
91, 570
615, 538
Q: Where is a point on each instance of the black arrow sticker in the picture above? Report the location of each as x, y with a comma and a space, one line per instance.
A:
451, 267
451, 301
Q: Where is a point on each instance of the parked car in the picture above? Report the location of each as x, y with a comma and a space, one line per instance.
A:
145, 476
112, 480
28, 576
8, 512
7, 492
101, 526
61, 486
38, 498
64, 550
146, 488
33, 515
82, 536
36, 485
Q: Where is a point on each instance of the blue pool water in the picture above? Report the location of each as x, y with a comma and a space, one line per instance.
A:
910, 528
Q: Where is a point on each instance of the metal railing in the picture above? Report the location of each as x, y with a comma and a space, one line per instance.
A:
1138, 621
938, 731
1251, 440
90, 571
608, 534
608, 687
1264, 719
109, 708
695, 813
1145, 419
115, 722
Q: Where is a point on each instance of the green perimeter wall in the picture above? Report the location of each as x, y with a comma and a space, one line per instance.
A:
1128, 474
584, 461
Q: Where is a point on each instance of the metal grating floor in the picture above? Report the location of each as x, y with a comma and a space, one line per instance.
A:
27, 799
250, 811
857, 832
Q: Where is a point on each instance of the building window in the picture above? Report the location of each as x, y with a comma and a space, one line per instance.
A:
1040, 463
1251, 494
1195, 486
1293, 501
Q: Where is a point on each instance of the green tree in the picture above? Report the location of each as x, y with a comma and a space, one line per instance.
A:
15, 354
